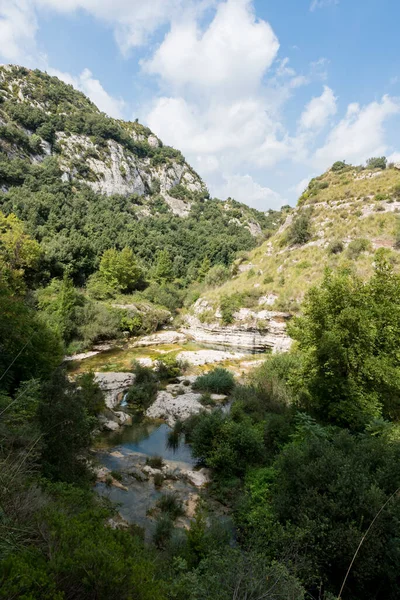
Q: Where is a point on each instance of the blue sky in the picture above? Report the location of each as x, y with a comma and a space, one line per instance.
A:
260, 95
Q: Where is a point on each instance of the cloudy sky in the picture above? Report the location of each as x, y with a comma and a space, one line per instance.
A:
259, 95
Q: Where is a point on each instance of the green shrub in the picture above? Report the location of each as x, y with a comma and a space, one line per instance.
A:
216, 275
217, 381
228, 306
155, 461
335, 247
268, 279
168, 368
356, 247
163, 531
339, 165
299, 231
396, 191
116, 475
142, 393
206, 400
377, 162
171, 505
158, 480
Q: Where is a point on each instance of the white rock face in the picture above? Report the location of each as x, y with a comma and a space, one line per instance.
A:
114, 384
172, 409
251, 330
245, 336
208, 357
198, 478
110, 426
117, 171
161, 338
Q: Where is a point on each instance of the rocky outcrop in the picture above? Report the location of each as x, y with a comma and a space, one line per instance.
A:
161, 338
253, 330
176, 402
207, 357
114, 385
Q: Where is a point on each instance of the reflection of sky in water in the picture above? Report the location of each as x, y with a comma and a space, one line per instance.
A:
149, 439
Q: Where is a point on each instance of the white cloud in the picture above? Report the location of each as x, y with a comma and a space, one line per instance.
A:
394, 158
244, 189
231, 55
220, 112
86, 83
18, 27
133, 21
322, 4
318, 110
359, 135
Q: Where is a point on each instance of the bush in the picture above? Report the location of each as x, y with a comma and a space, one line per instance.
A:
171, 505
356, 247
228, 306
168, 368
163, 531
143, 391
300, 230
335, 247
217, 381
155, 462
158, 480
339, 165
216, 275
377, 162
396, 191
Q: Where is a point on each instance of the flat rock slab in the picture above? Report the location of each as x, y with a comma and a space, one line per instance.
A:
160, 338
198, 478
172, 409
208, 357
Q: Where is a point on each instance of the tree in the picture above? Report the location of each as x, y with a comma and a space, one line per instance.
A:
204, 269
300, 230
348, 337
377, 162
164, 268
66, 430
29, 348
325, 492
120, 269
339, 165
19, 253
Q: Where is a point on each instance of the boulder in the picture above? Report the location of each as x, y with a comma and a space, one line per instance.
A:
113, 385
123, 418
172, 409
110, 426
198, 478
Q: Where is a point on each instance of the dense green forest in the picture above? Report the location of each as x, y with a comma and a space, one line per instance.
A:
307, 457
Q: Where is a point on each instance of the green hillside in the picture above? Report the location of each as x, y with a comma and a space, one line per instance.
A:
340, 221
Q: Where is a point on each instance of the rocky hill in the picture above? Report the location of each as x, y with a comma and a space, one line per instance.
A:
84, 182
340, 221
42, 116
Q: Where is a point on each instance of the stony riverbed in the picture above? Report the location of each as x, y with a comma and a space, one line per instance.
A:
122, 452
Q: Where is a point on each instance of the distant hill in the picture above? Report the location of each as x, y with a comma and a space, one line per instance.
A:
84, 182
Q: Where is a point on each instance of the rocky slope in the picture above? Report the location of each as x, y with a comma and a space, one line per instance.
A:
342, 218
41, 116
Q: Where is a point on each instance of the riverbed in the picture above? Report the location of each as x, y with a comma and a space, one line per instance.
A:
121, 456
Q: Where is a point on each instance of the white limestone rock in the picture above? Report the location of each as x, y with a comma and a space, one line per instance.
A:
172, 409
113, 385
